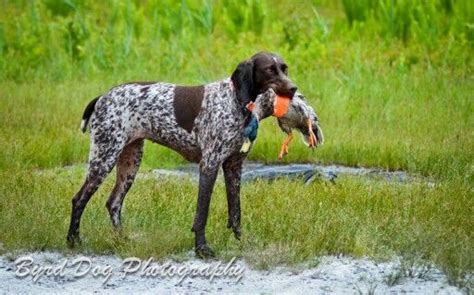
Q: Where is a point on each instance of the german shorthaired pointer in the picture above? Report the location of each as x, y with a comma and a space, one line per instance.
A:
203, 123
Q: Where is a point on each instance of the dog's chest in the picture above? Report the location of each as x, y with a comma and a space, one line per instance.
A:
220, 119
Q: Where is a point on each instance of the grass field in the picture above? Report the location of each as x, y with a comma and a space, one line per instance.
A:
392, 82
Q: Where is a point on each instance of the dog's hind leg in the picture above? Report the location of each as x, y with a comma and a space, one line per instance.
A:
127, 168
102, 159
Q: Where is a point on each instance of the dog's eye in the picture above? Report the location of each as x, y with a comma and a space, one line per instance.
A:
284, 69
271, 70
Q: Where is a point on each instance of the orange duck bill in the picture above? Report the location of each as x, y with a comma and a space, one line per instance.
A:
280, 107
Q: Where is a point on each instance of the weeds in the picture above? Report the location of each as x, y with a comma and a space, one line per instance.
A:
408, 268
283, 222
392, 82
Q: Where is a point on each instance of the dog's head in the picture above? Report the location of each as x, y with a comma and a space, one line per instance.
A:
261, 72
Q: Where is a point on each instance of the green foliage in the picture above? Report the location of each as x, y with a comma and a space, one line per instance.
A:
424, 21
70, 51
392, 81
59, 38
284, 222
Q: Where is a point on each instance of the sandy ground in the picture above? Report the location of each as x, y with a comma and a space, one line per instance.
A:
326, 275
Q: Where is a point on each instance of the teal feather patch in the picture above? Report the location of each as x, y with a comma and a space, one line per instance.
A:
250, 134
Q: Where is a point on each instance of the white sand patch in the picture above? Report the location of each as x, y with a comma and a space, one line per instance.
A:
330, 275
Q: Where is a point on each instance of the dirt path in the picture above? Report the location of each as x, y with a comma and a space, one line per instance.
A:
328, 275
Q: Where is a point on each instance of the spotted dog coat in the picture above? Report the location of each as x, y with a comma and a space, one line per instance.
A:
203, 123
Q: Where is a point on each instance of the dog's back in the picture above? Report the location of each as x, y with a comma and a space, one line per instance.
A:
133, 111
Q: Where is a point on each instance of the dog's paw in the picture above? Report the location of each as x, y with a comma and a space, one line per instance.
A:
235, 229
204, 252
237, 232
73, 240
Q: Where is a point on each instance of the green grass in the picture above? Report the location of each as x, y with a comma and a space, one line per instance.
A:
416, 119
392, 82
283, 221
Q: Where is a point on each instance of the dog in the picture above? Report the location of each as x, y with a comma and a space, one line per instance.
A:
202, 123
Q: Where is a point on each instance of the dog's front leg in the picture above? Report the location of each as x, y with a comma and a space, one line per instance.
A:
232, 174
207, 178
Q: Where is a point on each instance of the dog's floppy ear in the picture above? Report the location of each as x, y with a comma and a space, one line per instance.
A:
242, 78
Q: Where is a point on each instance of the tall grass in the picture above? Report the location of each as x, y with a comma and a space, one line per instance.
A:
55, 39
391, 80
340, 61
423, 21
284, 222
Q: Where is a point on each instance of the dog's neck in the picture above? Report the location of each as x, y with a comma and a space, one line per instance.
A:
263, 103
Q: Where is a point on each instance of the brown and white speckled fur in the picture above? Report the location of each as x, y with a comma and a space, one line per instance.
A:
124, 117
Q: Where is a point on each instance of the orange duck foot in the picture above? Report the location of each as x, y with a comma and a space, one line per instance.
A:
284, 146
313, 142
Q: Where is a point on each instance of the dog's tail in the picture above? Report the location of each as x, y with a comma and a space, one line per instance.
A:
88, 113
